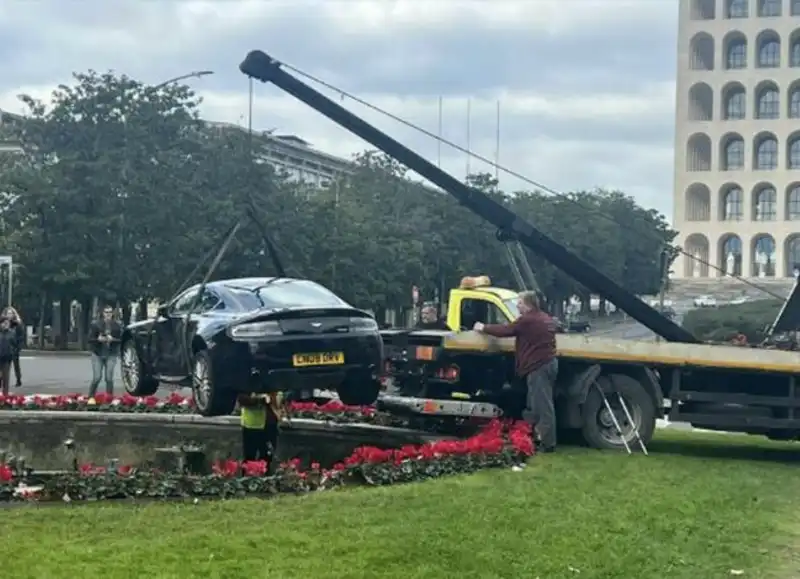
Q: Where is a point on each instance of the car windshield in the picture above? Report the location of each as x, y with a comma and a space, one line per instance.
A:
511, 304
286, 294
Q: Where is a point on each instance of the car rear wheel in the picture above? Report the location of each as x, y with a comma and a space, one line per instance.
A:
359, 392
209, 392
135, 379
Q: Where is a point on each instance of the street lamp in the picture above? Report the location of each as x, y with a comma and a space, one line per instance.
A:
193, 74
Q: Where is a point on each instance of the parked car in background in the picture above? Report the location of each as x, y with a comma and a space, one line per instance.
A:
739, 301
572, 325
705, 302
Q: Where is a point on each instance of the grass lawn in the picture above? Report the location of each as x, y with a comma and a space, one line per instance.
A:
725, 503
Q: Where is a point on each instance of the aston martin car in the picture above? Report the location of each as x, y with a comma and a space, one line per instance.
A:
254, 335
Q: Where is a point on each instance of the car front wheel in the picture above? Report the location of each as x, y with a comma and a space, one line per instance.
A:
209, 392
135, 379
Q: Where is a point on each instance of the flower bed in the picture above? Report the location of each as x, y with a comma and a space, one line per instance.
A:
498, 444
177, 404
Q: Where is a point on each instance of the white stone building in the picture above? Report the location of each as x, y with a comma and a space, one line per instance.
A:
737, 138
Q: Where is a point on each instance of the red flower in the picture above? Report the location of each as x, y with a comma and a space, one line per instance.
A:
125, 470
6, 473
254, 468
103, 399
227, 468
315, 466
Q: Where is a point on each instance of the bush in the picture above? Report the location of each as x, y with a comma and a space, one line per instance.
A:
723, 323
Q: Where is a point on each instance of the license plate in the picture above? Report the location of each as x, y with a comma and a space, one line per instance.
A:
320, 359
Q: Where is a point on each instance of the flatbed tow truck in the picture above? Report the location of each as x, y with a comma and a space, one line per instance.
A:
610, 391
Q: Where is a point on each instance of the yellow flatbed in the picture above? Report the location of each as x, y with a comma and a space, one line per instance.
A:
585, 347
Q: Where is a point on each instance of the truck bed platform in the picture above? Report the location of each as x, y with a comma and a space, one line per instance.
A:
586, 347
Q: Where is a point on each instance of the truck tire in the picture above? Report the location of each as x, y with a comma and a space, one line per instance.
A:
598, 429
209, 392
135, 379
359, 392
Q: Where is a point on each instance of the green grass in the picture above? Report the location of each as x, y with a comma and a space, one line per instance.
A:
693, 509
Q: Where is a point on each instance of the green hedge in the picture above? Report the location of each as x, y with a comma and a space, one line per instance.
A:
723, 323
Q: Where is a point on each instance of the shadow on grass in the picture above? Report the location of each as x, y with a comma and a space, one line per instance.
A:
740, 447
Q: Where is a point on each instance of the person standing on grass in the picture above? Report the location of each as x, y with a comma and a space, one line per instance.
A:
535, 362
19, 331
104, 340
8, 351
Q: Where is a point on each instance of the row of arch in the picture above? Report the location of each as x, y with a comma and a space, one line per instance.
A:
761, 259
763, 205
732, 152
733, 105
768, 51
707, 9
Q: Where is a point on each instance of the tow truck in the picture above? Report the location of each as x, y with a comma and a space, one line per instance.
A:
611, 391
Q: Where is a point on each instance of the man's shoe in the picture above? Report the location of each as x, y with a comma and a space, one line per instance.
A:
19, 383
547, 449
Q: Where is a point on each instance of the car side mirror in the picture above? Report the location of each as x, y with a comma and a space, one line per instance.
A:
162, 311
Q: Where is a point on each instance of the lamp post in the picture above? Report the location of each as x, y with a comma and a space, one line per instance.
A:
7, 260
193, 74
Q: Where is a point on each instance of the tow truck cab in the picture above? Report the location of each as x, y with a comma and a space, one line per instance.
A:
476, 300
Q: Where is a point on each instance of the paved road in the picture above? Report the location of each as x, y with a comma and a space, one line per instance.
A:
53, 374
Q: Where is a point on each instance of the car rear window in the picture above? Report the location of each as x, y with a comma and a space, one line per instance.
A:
287, 293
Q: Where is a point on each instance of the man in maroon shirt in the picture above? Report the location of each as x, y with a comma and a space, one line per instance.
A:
535, 361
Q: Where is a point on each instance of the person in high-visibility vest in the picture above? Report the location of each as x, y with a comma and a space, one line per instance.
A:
260, 416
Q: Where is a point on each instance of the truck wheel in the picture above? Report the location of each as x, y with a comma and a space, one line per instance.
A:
210, 394
135, 379
359, 392
598, 427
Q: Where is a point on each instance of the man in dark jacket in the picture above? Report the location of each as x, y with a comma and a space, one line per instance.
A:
104, 340
8, 351
19, 332
429, 320
535, 361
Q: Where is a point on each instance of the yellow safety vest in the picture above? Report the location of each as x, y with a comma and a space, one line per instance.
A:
254, 418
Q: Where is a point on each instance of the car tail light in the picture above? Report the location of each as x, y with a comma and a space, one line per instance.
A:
255, 330
449, 373
363, 325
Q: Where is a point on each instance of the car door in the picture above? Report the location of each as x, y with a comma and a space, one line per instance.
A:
175, 336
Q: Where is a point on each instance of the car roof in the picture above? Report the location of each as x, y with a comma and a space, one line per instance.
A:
249, 282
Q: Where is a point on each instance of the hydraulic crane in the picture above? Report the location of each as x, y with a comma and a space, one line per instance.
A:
260, 66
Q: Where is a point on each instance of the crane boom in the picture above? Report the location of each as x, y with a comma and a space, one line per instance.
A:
260, 66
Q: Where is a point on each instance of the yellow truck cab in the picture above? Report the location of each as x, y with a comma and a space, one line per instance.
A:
476, 300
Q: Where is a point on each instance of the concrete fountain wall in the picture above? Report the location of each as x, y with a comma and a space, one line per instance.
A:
40, 437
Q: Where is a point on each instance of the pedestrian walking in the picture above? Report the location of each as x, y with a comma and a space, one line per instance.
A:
19, 331
535, 362
8, 350
105, 335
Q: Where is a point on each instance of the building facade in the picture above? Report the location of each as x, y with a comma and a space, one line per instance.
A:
737, 138
296, 158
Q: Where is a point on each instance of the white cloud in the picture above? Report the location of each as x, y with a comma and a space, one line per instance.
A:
586, 86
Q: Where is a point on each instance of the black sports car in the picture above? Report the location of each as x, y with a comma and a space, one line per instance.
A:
255, 335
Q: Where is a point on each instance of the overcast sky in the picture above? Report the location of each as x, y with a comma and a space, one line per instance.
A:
586, 86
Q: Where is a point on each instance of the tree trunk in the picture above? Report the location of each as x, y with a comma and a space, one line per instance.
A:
42, 320
87, 313
64, 319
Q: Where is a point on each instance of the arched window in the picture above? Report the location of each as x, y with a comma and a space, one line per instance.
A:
769, 51
794, 51
793, 154
736, 53
768, 102
794, 102
698, 153
765, 204
736, 9
767, 8
730, 249
766, 154
735, 102
793, 203
793, 253
763, 256
733, 153
732, 204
